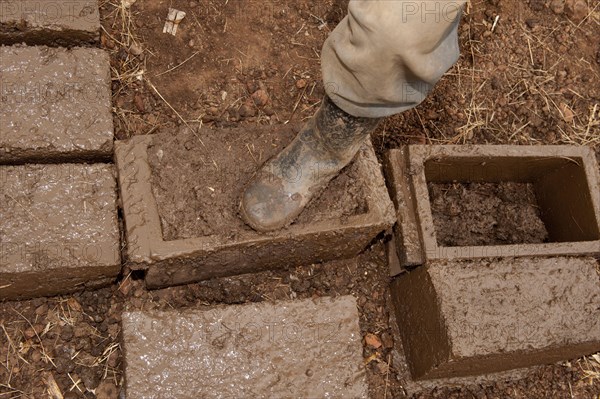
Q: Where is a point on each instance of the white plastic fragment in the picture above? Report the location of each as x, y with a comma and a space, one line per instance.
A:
173, 19
127, 3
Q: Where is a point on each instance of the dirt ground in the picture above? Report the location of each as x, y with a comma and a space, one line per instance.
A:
531, 78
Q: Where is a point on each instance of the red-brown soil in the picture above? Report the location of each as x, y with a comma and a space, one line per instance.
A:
534, 79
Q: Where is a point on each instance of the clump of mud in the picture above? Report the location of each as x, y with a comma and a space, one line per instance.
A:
470, 214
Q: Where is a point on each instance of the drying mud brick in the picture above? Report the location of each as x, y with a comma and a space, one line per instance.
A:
294, 349
564, 180
55, 105
460, 318
56, 22
58, 227
223, 245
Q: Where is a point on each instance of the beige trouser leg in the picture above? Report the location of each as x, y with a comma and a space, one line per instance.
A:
386, 55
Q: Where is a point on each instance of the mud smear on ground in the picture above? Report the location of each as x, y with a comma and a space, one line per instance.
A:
198, 180
470, 214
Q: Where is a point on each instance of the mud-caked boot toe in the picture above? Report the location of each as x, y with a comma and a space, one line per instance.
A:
267, 205
287, 183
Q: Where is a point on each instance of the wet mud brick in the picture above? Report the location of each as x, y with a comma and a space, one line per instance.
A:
58, 229
565, 181
55, 105
58, 22
292, 349
243, 250
470, 317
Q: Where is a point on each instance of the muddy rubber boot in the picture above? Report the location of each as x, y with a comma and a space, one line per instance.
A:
287, 182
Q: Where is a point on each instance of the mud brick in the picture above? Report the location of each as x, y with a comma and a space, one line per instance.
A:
55, 105
58, 229
564, 178
470, 317
302, 349
179, 261
57, 22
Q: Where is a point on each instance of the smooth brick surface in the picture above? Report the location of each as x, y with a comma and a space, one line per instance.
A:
186, 260
292, 349
461, 318
58, 229
55, 22
55, 104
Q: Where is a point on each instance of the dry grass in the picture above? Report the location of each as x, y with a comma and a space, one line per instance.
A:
128, 69
24, 334
528, 78
590, 366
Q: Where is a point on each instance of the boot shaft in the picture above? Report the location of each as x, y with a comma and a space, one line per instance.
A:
340, 132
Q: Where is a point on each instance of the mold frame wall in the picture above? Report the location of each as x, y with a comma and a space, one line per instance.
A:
537, 158
194, 259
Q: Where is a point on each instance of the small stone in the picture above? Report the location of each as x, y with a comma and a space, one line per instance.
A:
247, 110
125, 287
42, 309
36, 356
91, 377
373, 341
107, 390
532, 23
260, 97
301, 285
67, 333
557, 6
29, 333
536, 5
64, 365
382, 368
576, 9
567, 113
387, 340
82, 330
138, 101
113, 360
83, 343
74, 305
301, 84
136, 49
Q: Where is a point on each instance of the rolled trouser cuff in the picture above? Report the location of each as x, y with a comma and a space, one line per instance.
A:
386, 56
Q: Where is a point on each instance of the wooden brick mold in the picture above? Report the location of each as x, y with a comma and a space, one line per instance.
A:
565, 181
193, 259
